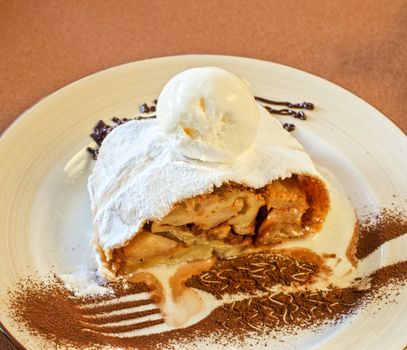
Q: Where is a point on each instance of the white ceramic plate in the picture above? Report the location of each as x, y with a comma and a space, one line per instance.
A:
43, 171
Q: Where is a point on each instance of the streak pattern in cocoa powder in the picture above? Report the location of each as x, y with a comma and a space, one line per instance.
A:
251, 274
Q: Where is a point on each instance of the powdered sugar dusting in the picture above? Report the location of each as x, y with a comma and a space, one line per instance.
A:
84, 283
139, 176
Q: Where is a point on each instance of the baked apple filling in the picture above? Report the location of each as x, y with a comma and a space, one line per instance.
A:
230, 221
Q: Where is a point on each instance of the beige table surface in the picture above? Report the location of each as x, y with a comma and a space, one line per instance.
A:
358, 44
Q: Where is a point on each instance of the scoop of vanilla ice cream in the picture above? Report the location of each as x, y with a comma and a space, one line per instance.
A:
209, 114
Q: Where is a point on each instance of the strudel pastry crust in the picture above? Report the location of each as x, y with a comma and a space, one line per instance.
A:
229, 221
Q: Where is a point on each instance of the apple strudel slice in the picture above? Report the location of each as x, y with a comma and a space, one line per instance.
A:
213, 175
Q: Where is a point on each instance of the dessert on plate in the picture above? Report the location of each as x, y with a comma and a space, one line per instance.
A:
213, 175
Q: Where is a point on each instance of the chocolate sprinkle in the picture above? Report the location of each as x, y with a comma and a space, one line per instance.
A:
144, 108
289, 127
100, 131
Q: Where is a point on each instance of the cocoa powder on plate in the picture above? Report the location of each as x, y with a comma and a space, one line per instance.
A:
253, 273
48, 310
376, 229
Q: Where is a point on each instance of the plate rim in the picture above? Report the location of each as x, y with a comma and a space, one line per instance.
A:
10, 338
9, 129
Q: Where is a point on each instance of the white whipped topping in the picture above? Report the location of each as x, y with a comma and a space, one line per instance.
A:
208, 114
84, 282
140, 175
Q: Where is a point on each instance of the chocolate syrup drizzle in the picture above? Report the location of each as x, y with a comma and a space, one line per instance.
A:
303, 105
287, 111
101, 129
295, 114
